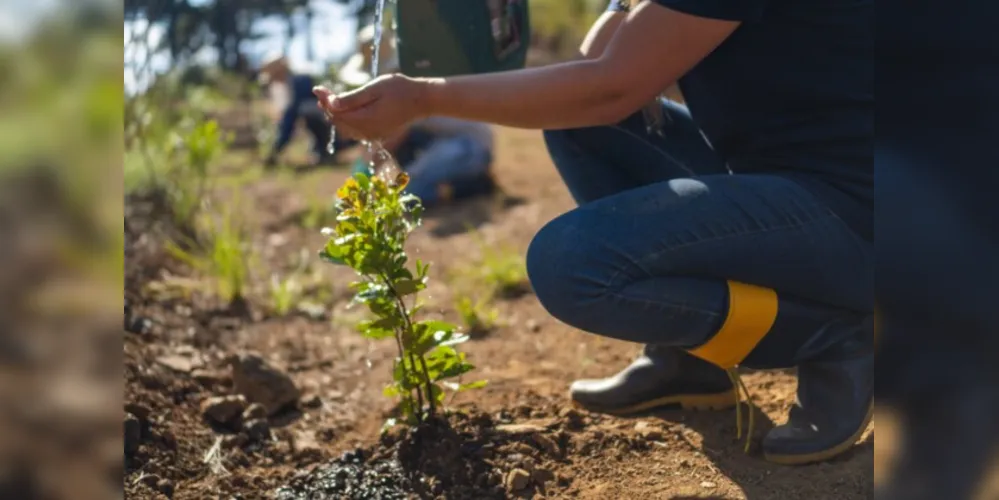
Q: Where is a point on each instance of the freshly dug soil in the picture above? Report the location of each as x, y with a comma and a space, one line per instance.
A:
469, 456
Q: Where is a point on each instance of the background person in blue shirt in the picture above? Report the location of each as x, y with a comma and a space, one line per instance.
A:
738, 232
299, 105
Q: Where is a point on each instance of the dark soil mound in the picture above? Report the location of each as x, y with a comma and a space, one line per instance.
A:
467, 456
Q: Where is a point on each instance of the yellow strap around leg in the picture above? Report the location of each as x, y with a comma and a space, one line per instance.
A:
752, 311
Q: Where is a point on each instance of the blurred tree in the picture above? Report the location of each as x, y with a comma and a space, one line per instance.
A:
559, 26
224, 24
190, 25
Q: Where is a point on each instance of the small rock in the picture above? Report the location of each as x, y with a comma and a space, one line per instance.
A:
312, 401
542, 476
520, 428
255, 411
304, 444
547, 444
262, 383
648, 431
573, 419
165, 487
517, 480
208, 378
257, 430
183, 364
523, 449
133, 434
277, 240
708, 485
141, 412
312, 310
223, 409
533, 325
234, 441
150, 480
151, 381
139, 325
564, 479
524, 428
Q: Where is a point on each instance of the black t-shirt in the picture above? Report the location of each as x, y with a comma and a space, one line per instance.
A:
791, 91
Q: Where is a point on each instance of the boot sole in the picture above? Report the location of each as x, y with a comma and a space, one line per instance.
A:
822, 456
690, 402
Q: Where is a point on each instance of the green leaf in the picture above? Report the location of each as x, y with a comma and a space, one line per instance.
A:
373, 292
405, 375
391, 391
444, 362
429, 334
401, 273
346, 226
438, 393
454, 339
324, 255
408, 286
376, 330
388, 322
363, 181
383, 306
408, 411
478, 384
456, 387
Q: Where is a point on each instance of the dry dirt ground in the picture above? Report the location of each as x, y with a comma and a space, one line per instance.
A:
522, 437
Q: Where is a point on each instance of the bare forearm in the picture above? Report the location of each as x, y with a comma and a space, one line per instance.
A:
601, 34
567, 95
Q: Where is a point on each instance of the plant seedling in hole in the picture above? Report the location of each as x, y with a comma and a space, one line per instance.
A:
373, 219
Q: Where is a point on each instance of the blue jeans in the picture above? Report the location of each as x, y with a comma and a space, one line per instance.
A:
459, 162
662, 225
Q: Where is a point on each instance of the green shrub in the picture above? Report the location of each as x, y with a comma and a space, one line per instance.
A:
373, 221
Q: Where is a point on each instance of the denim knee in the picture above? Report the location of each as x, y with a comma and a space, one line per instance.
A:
555, 259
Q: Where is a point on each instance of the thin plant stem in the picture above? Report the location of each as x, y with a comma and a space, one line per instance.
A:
428, 384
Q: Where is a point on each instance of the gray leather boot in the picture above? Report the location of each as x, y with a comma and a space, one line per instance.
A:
834, 404
662, 377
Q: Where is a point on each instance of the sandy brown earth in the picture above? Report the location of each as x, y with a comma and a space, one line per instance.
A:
179, 340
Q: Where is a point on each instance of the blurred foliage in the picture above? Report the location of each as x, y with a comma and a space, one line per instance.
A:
558, 26
60, 112
478, 315
221, 24
226, 258
61, 272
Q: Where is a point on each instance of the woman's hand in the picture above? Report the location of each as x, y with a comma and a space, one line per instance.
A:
377, 110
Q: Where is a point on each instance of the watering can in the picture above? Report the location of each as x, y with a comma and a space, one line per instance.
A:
459, 37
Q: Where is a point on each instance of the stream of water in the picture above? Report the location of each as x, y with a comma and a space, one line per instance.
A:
381, 162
